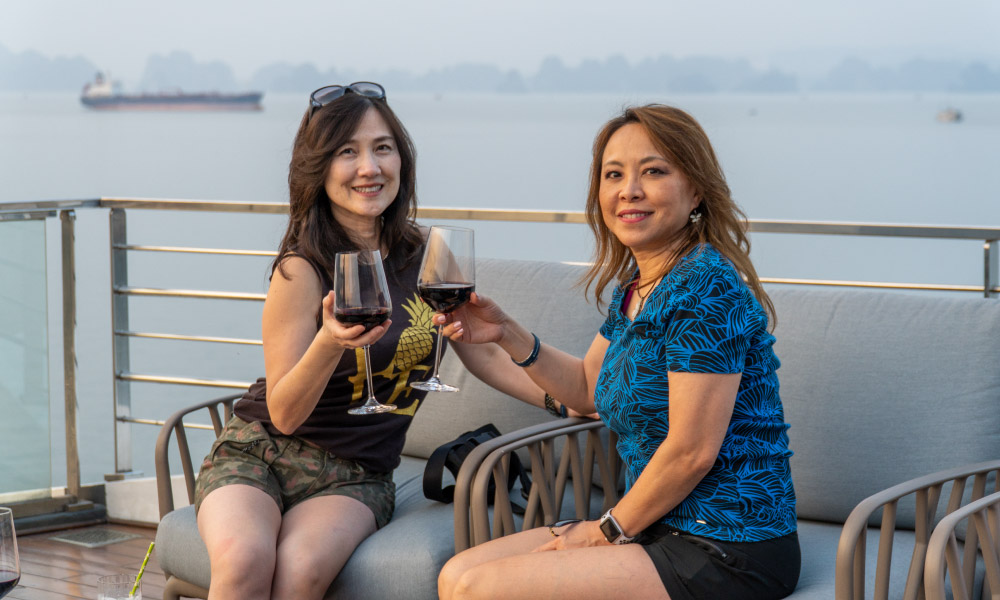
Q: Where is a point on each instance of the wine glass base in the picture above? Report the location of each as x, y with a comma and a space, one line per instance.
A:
433, 385
371, 409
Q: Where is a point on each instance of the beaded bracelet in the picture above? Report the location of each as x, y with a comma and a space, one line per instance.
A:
531, 357
550, 405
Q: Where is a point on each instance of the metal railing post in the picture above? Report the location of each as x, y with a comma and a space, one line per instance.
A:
120, 345
991, 268
68, 219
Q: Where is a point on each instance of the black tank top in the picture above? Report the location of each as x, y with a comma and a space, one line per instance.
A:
403, 355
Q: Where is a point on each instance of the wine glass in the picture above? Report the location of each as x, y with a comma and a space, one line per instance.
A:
361, 296
447, 280
10, 567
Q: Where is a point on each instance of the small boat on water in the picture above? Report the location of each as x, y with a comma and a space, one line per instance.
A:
102, 94
950, 115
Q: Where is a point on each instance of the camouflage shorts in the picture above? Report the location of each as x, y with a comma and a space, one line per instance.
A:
289, 470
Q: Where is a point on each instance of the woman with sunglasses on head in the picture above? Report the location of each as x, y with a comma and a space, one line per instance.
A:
682, 371
295, 483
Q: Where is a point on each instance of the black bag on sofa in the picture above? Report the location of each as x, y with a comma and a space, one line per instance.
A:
451, 454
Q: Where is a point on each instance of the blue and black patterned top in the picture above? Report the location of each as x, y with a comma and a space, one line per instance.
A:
702, 318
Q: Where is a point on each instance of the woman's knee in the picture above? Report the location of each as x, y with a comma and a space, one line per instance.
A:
449, 574
303, 575
302, 567
472, 584
242, 562
454, 580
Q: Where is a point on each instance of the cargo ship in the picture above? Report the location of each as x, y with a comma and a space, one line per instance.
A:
102, 94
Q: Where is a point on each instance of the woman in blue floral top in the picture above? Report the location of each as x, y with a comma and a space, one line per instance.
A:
682, 370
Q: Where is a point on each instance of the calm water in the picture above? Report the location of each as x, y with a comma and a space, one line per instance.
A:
879, 158
813, 157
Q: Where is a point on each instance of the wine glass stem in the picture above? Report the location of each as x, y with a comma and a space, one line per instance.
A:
437, 353
368, 374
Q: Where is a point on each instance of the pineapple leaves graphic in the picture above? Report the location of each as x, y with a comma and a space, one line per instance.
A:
415, 345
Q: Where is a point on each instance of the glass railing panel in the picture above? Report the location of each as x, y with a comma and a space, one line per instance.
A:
25, 462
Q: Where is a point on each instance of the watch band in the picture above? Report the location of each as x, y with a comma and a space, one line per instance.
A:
612, 530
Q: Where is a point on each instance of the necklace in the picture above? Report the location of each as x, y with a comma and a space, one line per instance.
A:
642, 299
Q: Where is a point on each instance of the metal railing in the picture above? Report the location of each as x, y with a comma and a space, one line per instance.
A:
121, 291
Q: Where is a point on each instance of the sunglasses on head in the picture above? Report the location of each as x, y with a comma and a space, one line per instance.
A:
328, 94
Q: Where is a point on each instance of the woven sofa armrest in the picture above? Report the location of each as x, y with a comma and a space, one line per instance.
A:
549, 477
175, 426
471, 464
926, 490
946, 555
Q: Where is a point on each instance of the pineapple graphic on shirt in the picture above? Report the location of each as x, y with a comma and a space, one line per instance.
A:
415, 344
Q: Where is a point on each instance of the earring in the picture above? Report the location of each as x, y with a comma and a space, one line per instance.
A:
695, 216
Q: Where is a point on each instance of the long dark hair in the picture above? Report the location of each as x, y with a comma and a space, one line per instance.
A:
313, 232
682, 141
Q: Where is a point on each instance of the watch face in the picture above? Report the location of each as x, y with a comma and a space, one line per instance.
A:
611, 532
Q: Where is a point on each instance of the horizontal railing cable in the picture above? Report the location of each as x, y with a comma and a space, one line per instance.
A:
930, 287
183, 249
160, 423
213, 383
190, 338
137, 291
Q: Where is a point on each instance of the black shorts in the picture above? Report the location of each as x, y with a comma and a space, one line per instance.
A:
697, 568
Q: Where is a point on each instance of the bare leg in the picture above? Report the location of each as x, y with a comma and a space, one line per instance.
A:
511, 545
316, 539
603, 572
240, 524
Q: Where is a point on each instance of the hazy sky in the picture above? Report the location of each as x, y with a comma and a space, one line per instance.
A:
119, 35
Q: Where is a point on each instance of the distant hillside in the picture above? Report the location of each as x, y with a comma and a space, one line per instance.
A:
179, 70
31, 71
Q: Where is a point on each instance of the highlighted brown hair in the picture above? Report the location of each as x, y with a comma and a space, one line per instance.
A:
313, 232
683, 142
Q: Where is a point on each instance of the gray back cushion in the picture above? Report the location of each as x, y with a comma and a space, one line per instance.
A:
542, 296
881, 387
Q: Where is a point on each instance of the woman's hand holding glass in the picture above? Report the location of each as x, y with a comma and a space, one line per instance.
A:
481, 321
349, 336
478, 321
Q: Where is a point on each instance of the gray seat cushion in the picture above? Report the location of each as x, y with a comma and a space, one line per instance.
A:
179, 548
819, 559
412, 550
402, 560
409, 551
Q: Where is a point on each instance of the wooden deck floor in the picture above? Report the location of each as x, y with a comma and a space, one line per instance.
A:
54, 570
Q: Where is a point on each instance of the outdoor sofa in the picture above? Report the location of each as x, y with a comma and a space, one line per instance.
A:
893, 400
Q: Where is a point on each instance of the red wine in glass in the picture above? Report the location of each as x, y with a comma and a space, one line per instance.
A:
446, 282
8, 580
446, 296
10, 567
369, 317
361, 296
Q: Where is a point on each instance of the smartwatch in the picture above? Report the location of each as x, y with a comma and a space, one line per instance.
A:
612, 530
